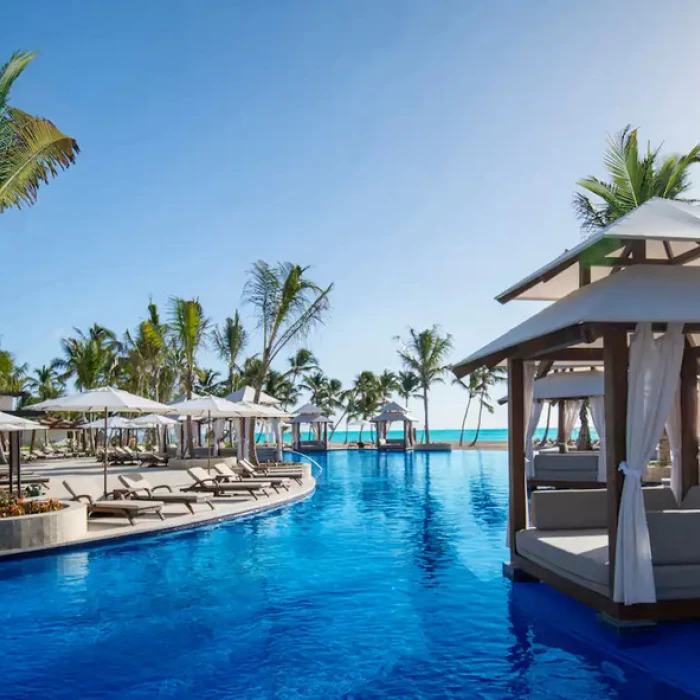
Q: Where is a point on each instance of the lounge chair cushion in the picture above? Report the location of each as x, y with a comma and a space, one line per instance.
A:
675, 537
580, 556
586, 508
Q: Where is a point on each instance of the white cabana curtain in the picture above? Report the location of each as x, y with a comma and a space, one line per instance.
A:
240, 453
673, 430
218, 427
532, 423
654, 368
597, 404
571, 414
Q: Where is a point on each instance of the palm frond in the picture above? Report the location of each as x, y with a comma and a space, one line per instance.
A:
31, 150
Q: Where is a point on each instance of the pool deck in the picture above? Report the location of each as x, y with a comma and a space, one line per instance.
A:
86, 475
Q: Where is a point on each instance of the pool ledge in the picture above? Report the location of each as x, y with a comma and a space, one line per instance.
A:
225, 511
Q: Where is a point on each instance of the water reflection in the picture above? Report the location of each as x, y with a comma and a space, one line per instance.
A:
487, 509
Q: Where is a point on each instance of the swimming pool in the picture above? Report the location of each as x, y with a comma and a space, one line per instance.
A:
385, 584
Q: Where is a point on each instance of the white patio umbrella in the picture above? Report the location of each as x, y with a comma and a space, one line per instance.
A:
214, 407
10, 423
105, 399
156, 421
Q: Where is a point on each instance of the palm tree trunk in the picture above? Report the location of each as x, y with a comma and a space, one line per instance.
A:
478, 424
464, 420
425, 411
546, 427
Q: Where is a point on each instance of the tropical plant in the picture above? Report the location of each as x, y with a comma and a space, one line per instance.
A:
365, 398
302, 361
146, 354
471, 384
230, 340
281, 388
31, 148
287, 305
486, 379
408, 384
634, 178
208, 381
188, 328
387, 384
44, 383
425, 354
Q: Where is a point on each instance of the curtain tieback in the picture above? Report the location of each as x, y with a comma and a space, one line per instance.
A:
628, 471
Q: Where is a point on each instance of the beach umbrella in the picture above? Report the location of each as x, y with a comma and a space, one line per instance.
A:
107, 400
156, 421
214, 407
10, 424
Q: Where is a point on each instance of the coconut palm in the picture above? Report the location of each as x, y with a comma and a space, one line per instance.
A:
146, 354
208, 381
366, 398
230, 340
287, 305
408, 384
425, 354
387, 384
44, 383
281, 388
471, 384
634, 178
302, 361
31, 148
316, 384
486, 379
188, 328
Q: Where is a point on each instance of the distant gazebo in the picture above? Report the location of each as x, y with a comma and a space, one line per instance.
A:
247, 394
394, 413
318, 422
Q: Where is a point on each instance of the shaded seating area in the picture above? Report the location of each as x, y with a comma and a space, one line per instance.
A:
316, 422
389, 414
624, 299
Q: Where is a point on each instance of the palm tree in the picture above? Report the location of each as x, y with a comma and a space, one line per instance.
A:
425, 355
281, 388
634, 179
486, 378
207, 381
44, 383
387, 383
230, 341
365, 400
146, 353
287, 305
408, 384
188, 327
302, 361
472, 387
31, 148
316, 384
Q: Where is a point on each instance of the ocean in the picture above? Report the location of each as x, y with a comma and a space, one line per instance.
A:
437, 435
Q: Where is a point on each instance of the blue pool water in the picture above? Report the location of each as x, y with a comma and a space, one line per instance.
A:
385, 584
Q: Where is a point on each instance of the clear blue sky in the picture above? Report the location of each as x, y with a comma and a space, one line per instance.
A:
421, 155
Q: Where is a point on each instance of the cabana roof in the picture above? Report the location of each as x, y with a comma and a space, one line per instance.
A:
641, 293
310, 418
389, 416
671, 230
569, 385
309, 409
393, 407
247, 394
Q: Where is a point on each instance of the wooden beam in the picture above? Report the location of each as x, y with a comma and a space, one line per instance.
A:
561, 437
584, 274
516, 451
574, 355
639, 251
616, 359
543, 368
689, 421
688, 256
628, 262
668, 250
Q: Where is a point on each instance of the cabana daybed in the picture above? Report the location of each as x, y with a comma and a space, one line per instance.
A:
626, 297
394, 413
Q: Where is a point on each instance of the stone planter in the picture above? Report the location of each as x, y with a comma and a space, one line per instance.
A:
44, 529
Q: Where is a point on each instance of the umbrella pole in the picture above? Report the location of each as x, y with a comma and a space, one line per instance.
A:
209, 442
104, 455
